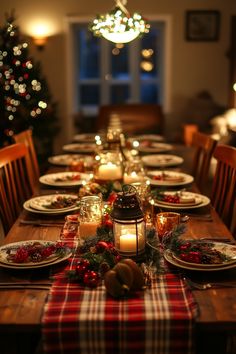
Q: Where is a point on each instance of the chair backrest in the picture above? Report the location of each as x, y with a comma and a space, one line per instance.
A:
204, 146
223, 196
135, 118
16, 182
26, 138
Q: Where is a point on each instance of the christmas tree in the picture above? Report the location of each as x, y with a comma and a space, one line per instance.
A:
25, 100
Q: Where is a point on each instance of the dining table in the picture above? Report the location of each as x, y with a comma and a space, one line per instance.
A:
25, 294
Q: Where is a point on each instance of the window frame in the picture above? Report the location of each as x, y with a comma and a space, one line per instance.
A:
72, 107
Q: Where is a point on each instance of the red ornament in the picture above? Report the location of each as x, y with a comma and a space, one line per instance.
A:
107, 220
101, 246
91, 279
82, 268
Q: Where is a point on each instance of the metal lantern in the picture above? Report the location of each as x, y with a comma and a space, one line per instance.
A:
128, 223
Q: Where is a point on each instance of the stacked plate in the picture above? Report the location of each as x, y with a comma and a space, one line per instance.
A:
64, 179
169, 178
55, 257
80, 148
69, 159
228, 250
86, 137
164, 160
52, 204
181, 200
146, 137
154, 147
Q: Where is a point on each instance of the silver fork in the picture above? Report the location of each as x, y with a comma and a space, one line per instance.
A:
204, 286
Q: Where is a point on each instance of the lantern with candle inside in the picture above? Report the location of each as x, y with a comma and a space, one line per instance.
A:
90, 217
109, 166
128, 224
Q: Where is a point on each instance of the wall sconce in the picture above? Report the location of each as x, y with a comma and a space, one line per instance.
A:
39, 32
40, 42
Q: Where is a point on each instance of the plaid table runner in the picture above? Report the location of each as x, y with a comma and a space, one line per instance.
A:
89, 321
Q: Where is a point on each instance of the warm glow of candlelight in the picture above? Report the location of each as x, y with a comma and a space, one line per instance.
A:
109, 171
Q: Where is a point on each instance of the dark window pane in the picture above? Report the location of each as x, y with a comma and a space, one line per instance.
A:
120, 94
88, 54
149, 54
120, 62
149, 93
89, 94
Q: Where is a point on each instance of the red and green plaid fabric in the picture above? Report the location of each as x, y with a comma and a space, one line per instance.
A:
89, 321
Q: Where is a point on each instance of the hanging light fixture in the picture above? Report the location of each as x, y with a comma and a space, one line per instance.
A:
119, 26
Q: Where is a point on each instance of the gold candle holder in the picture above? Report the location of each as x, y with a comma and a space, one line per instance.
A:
166, 222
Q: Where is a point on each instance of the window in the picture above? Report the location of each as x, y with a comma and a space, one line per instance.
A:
106, 73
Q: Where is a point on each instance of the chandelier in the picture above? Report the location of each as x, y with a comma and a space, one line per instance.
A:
118, 26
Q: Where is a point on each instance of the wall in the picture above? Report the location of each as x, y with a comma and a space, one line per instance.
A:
194, 66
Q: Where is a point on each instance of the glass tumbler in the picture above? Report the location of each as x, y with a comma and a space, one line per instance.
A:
166, 222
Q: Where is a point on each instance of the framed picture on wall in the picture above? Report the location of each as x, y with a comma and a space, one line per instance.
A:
202, 25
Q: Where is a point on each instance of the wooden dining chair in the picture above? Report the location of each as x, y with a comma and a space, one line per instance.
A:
223, 195
134, 118
26, 138
16, 182
204, 146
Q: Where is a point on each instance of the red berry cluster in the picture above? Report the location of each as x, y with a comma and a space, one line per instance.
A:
36, 252
199, 253
171, 198
158, 178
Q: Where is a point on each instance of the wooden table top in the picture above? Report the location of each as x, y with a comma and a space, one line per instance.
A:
21, 309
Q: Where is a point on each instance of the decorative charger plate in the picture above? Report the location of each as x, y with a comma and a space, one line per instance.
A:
169, 178
54, 258
172, 259
200, 201
155, 147
86, 148
68, 159
64, 179
164, 160
43, 204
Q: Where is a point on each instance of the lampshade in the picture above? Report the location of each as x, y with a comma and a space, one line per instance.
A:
118, 26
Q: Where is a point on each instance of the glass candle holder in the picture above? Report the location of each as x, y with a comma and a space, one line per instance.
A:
90, 216
109, 166
133, 172
166, 222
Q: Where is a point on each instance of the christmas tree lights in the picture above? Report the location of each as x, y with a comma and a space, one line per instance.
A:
25, 98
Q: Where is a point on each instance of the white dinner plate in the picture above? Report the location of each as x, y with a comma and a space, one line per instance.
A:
86, 148
169, 178
147, 137
200, 201
168, 255
41, 204
64, 179
165, 160
154, 147
51, 260
68, 159
86, 137
226, 249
